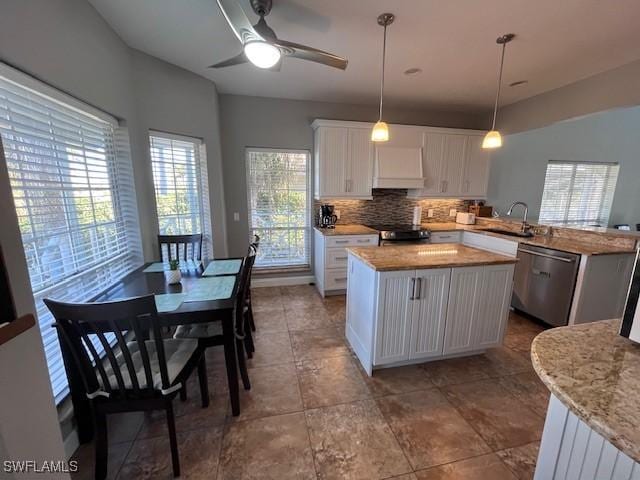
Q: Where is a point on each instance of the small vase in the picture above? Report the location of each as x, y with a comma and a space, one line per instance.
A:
173, 276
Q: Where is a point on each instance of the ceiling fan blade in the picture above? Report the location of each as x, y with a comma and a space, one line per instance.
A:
238, 21
237, 60
311, 54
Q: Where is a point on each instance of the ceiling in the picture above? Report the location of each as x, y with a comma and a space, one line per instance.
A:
453, 42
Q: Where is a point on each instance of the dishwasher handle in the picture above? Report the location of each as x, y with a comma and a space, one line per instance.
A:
546, 255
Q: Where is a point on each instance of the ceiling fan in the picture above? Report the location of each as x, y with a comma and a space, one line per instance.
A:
261, 46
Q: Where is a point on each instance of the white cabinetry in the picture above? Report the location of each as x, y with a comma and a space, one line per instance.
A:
453, 164
453, 236
330, 259
343, 159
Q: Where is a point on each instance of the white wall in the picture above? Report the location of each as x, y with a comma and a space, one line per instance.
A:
518, 169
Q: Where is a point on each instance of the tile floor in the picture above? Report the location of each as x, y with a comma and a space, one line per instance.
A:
313, 413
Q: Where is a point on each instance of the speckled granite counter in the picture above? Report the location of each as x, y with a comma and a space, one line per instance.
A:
347, 230
563, 244
413, 257
596, 374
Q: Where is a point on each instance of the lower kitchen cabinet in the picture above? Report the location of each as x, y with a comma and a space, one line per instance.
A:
419, 315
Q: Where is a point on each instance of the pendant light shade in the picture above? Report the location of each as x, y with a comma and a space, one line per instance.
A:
493, 139
380, 132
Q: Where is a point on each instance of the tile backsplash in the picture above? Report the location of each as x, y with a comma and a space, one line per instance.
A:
392, 206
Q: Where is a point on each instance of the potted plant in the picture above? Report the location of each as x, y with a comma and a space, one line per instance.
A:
173, 275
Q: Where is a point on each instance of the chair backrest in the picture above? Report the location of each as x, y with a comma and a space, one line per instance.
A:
80, 325
243, 291
177, 246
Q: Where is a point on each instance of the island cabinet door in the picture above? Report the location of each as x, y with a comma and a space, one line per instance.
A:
395, 294
493, 309
429, 312
462, 309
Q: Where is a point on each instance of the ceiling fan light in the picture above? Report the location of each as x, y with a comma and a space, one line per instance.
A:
492, 139
262, 54
380, 132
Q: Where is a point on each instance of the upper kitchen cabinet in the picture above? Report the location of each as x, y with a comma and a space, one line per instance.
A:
454, 165
343, 160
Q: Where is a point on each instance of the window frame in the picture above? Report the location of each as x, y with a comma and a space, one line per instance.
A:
308, 206
202, 179
602, 220
121, 188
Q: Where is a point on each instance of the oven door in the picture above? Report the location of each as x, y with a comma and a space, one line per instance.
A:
398, 243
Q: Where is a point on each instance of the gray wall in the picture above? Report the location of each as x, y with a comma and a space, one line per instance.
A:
605, 91
68, 45
276, 123
518, 168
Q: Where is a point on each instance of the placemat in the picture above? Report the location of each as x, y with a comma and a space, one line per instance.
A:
210, 288
222, 267
161, 267
168, 302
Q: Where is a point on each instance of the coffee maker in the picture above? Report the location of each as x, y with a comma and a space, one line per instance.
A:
326, 217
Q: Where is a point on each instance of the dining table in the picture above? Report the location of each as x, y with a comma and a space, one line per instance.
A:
149, 279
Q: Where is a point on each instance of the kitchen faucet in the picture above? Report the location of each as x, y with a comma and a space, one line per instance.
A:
525, 226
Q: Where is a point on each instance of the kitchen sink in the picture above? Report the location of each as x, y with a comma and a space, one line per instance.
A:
510, 233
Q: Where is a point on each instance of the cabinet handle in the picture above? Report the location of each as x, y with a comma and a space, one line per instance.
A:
364, 241
418, 289
341, 258
466, 186
342, 241
347, 185
443, 188
412, 295
341, 279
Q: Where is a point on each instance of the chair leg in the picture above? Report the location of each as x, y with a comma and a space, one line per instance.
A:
204, 384
173, 440
102, 446
251, 322
183, 392
242, 364
248, 341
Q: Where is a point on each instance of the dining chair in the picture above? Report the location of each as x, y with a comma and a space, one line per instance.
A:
211, 335
139, 370
181, 244
252, 246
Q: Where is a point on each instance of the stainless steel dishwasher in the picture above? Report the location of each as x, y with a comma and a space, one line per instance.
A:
544, 282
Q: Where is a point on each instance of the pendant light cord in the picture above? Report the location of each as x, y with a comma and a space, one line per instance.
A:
384, 50
495, 107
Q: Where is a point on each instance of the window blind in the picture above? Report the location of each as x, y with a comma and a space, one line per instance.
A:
279, 210
72, 184
181, 186
578, 193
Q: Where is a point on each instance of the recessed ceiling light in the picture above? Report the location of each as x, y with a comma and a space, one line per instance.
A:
519, 82
413, 71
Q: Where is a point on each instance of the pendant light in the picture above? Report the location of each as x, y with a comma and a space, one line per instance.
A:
493, 139
380, 132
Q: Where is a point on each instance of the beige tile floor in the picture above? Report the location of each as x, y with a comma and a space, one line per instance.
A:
313, 413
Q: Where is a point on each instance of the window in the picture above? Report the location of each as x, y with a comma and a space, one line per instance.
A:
279, 210
72, 185
578, 193
181, 186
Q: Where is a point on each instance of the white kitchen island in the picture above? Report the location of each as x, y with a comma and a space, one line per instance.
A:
411, 304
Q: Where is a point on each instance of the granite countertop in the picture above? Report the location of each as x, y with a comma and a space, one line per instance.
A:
354, 229
412, 257
596, 373
563, 244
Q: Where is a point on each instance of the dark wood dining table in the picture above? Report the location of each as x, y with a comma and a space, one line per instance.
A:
139, 283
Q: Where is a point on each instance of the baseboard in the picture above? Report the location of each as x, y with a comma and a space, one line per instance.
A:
282, 281
71, 443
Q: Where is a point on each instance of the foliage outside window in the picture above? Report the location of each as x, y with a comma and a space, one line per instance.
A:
279, 210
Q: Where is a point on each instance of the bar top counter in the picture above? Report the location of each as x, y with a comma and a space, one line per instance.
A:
416, 257
595, 373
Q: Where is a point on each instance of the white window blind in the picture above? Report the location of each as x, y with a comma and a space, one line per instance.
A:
181, 186
578, 193
279, 210
72, 184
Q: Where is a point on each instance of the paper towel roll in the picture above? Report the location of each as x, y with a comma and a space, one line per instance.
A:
417, 215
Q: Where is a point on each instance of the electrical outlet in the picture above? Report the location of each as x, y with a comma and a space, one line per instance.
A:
337, 214
236, 217
453, 212
430, 213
